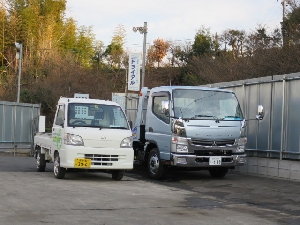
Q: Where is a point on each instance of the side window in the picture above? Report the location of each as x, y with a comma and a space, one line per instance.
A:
158, 110
60, 117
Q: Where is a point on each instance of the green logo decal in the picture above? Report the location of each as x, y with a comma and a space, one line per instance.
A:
56, 138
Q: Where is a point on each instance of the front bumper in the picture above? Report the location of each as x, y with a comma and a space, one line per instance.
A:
182, 160
101, 158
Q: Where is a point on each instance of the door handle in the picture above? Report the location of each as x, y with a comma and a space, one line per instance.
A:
150, 129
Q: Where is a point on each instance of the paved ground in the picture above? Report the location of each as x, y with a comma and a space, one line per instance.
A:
30, 197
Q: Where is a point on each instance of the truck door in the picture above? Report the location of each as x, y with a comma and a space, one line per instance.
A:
158, 126
57, 129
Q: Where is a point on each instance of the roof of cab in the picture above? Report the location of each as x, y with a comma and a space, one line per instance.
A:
84, 100
170, 88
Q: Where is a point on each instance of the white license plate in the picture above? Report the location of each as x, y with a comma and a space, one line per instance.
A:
215, 160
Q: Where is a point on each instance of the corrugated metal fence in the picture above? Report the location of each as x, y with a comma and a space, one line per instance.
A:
16, 121
278, 134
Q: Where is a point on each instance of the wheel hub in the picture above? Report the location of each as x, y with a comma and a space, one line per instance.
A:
154, 164
38, 160
56, 166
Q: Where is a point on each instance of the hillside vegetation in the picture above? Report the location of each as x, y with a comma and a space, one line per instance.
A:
61, 58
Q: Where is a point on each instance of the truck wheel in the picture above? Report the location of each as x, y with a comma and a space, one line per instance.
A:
155, 169
117, 174
59, 172
40, 162
218, 172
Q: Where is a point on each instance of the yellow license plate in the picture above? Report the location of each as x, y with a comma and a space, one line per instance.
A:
82, 163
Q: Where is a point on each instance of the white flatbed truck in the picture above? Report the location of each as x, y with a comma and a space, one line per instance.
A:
87, 134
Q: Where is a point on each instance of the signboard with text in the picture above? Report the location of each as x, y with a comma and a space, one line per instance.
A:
134, 72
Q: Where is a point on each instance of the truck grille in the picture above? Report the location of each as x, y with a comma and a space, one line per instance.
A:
102, 160
213, 152
206, 160
212, 143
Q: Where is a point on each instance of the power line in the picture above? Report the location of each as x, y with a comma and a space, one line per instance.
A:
272, 13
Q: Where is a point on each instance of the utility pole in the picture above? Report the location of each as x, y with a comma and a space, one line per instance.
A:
143, 30
284, 4
3, 23
144, 53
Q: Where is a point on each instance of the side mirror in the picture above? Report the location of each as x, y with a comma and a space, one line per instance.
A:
178, 127
261, 112
165, 107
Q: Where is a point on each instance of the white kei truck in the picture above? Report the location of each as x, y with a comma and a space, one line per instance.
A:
190, 128
87, 135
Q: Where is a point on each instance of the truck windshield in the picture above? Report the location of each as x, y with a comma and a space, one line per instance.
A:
206, 104
96, 115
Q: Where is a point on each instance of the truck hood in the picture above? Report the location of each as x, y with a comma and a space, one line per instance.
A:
210, 130
104, 138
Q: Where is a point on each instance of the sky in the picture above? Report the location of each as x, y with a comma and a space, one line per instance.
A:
174, 20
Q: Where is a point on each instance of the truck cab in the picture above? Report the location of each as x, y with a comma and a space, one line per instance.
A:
190, 128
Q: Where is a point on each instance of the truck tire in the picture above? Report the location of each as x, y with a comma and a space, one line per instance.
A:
117, 174
218, 172
156, 170
59, 172
40, 162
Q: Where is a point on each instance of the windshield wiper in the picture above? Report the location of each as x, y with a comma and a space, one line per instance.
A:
203, 116
124, 128
207, 116
97, 126
234, 117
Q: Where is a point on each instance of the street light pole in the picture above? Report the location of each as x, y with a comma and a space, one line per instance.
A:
144, 53
19, 46
143, 30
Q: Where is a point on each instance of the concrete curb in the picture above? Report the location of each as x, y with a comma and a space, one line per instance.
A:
17, 152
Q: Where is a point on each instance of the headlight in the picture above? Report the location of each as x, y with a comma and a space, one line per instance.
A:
179, 144
126, 142
241, 141
241, 144
182, 148
71, 139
